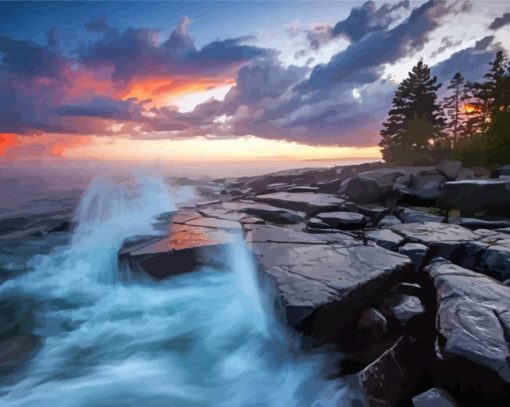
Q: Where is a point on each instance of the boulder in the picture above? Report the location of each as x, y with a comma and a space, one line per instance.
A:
473, 322
420, 187
495, 259
371, 186
373, 211
416, 252
450, 169
371, 326
407, 215
442, 238
343, 220
402, 307
434, 397
322, 282
465, 173
316, 223
471, 196
307, 202
385, 238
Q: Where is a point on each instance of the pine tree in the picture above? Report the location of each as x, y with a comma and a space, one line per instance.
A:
415, 123
454, 108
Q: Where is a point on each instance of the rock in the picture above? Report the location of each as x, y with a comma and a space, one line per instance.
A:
471, 196
320, 278
402, 307
371, 186
343, 220
473, 321
441, 238
473, 223
330, 187
495, 259
421, 187
388, 221
503, 171
191, 242
434, 397
252, 220
302, 201
303, 189
409, 289
390, 379
504, 230
374, 211
465, 173
315, 223
371, 326
450, 169
416, 252
274, 214
407, 215
385, 238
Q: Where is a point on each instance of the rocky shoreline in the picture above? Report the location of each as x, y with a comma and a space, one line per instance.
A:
406, 271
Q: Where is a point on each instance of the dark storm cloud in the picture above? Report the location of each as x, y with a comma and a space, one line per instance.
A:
367, 19
500, 21
136, 52
100, 107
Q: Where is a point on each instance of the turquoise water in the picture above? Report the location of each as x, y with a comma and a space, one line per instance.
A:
107, 338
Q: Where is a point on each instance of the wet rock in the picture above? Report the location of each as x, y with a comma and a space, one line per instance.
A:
323, 281
434, 397
416, 252
371, 186
442, 238
373, 211
408, 289
390, 379
420, 187
316, 223
473, 322
192, 241
274, 214
503, 171
385, 238
307, 202
471, 196
450, 169
343, 220
388, 221
407, 215
473, 223
303, 189
402, 307
371, 326
495, 259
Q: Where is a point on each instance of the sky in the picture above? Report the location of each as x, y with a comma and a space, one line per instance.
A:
233, 80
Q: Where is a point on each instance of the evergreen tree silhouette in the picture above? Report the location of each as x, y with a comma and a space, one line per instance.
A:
455, 110
414, 128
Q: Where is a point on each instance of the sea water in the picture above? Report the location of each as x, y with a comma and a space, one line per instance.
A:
109, 338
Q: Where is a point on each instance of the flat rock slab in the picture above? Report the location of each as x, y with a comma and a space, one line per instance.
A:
407, 215
385, 238
323, 282
188, 245
343, 220
434, 397
442, 238
274, 214
302, 201
473, 322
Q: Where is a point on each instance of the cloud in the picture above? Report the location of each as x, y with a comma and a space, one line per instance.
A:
500, 21
446, 43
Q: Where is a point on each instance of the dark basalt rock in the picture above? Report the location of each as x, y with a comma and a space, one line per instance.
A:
388, 221
274, 214
473, 223
416, 252
343, 220
407, 215
307, 202
371, 186
323, 281
371, 326
471, 196
402, 307
385, 238
473, 322
193, 240
434, 397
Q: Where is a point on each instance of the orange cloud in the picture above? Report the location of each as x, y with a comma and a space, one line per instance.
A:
7, 140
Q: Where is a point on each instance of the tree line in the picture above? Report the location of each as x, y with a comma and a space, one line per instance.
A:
471, 123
